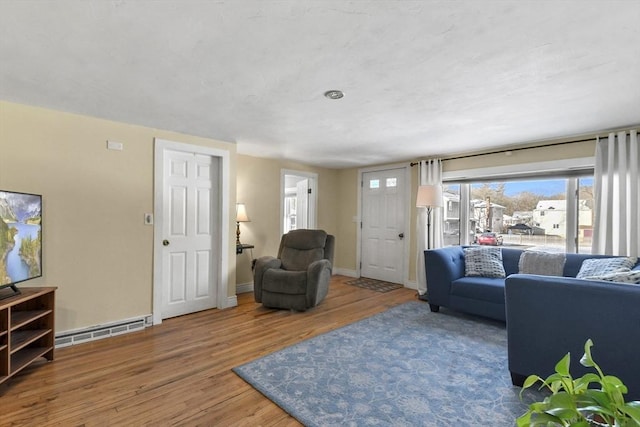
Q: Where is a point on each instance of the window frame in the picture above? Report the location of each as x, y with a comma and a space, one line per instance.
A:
570, 169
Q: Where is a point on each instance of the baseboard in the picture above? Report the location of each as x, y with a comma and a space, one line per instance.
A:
345, 272
232, 301
92, 333
244, 288
411, 284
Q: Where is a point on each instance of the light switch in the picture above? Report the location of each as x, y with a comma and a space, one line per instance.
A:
113, 145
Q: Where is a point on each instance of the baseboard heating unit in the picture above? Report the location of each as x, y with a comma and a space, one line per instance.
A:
93, 333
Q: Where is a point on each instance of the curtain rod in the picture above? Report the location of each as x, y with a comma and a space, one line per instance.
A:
513, 149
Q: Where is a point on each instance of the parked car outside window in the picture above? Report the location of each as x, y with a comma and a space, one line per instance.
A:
492, 239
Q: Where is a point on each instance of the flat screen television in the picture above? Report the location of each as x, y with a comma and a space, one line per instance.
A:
20, 240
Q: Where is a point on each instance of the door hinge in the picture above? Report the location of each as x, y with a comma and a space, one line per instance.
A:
308, 191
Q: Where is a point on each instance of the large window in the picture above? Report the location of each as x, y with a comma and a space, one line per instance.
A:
545, 214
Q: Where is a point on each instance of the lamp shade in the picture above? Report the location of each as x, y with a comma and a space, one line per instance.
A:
429, 196
241, 213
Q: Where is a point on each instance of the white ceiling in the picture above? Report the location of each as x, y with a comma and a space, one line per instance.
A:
422, 78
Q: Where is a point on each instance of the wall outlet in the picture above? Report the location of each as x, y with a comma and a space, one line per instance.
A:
148, 219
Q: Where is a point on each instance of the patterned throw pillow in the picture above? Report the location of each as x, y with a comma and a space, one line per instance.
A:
598, 267
484, 262
542, 263
632, 276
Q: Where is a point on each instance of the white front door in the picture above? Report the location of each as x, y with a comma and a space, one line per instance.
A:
189, 213
383, 225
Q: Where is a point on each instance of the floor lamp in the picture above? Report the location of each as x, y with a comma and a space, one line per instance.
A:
429, 196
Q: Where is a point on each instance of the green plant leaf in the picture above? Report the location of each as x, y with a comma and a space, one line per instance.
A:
613, 383
562, 405
562, 367
531, 380
587, 359
599, 397
572, 399
584, 381
596, 410
544, 419
632, 409
524, 420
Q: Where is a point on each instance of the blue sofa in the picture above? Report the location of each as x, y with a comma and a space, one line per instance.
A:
448, 287
546, 316
550, 316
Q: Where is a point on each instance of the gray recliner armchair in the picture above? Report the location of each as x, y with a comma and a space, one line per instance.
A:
299, 277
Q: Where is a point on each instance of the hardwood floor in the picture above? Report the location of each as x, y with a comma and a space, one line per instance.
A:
179, 372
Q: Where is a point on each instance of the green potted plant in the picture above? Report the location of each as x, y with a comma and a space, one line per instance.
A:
573, 403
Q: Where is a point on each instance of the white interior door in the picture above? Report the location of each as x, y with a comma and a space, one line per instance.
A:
302, 204
383, 225
190, 206
298, 200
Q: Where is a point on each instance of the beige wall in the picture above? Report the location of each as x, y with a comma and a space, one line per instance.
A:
347, 200
258, 187
97, 250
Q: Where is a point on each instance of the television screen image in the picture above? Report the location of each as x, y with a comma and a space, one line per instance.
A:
20, 238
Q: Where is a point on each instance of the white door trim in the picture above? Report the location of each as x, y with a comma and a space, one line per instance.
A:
160, 145
313, 200
407, 217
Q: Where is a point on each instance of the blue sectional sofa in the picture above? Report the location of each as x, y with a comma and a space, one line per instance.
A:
546, 316
448, 287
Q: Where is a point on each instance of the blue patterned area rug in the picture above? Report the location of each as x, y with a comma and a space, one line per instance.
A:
403, 367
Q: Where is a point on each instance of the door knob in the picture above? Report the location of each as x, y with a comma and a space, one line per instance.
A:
165, 243
401, 236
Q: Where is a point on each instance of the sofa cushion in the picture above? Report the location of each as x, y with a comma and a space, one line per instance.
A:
604, 266
542, 263
631, 276
480, 288
510, 260
483, 262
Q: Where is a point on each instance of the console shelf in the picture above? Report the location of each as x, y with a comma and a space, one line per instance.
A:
26, 329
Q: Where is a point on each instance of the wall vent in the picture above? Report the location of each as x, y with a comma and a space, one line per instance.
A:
93, 333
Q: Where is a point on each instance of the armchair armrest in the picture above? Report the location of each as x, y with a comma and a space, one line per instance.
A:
262, 265
318, 278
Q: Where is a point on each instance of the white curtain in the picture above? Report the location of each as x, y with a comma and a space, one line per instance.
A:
617, 195
430, 172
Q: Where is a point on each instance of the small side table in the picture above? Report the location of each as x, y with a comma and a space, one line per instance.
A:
242, 246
